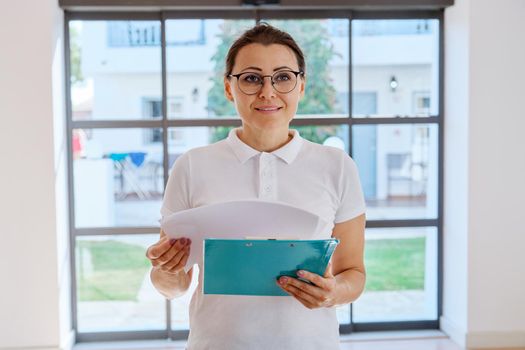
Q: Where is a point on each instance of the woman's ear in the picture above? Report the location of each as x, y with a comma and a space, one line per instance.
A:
228, 89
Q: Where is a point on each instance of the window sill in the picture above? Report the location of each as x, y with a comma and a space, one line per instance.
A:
180, 344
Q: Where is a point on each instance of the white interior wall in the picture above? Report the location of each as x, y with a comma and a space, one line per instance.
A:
63, 257
34, 300
497, 172
454, 320
484, 280
483, 285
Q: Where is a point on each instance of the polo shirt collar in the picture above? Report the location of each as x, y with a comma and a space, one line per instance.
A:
243, 152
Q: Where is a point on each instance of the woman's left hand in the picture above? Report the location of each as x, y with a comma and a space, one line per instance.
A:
321, 294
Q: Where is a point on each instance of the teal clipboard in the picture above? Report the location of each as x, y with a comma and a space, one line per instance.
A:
252, 267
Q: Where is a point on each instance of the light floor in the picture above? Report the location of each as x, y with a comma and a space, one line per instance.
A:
412, 340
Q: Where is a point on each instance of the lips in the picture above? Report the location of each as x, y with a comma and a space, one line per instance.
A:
268, 108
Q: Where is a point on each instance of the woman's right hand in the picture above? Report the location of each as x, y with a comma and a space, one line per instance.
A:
169, 255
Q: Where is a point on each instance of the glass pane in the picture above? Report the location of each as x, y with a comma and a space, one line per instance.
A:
395, 67
401, 269
398, 167
183, 139
324, 43
196, 51
329, 135
118, 177
114, 290
115, 70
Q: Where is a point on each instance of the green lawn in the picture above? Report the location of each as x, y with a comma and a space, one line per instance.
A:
395, 264
117, 269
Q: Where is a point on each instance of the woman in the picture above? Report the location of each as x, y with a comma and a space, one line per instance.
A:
265, 79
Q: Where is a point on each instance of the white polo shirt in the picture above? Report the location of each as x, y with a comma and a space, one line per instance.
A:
320, 179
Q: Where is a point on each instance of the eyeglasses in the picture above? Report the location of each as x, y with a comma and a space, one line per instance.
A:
251, 83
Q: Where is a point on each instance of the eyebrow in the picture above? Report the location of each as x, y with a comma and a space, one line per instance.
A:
282, 67
260, 70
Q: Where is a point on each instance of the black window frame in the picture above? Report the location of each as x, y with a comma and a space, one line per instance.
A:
164, 123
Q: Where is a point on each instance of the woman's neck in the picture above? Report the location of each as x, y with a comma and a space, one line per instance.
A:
264, 141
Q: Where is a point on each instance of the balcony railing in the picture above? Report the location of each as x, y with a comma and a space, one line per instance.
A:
147, 33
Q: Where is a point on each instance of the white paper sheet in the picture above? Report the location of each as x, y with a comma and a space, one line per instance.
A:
239, 220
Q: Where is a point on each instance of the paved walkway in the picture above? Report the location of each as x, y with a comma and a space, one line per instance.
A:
148, 312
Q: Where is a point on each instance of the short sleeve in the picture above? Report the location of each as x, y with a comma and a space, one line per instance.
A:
351, 199
177, 192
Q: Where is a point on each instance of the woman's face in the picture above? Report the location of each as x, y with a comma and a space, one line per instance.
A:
267, 110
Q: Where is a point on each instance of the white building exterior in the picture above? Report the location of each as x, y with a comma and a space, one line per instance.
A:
126, 84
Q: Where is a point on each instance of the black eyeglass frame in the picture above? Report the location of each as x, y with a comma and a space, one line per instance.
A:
297, 73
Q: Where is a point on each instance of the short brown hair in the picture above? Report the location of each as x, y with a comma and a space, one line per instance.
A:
264, 34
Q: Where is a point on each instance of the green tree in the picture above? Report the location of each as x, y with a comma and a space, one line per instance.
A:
314, 40
217, 102
75, 55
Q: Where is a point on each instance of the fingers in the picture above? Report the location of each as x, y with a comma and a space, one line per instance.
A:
158, 249
172, 252
328, 273
182, 263
311, 296
169, 255
174, 264
304, 298
300, 295
314, 278
292, 284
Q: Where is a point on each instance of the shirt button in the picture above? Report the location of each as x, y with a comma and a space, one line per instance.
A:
267, 188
